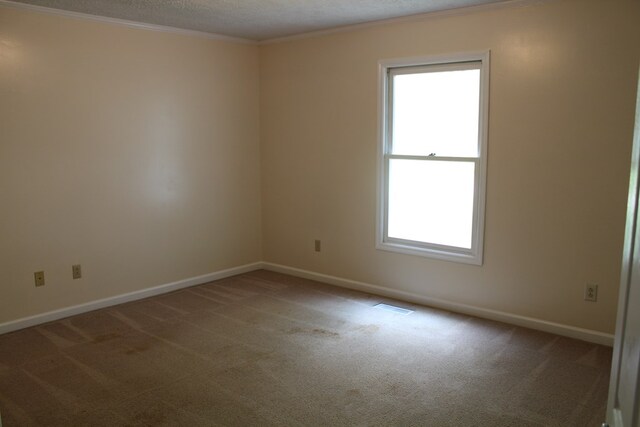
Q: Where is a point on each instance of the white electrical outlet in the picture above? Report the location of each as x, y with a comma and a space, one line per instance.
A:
591, 292
39, 278
76, 271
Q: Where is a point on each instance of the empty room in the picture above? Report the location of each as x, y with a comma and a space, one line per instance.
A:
319, 212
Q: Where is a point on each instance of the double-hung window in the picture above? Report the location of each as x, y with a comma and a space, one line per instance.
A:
432, 162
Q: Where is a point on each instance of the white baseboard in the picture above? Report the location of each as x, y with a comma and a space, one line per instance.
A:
514, 319
527, 322
50, 316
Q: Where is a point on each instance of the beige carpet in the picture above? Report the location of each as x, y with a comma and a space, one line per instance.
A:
269, 349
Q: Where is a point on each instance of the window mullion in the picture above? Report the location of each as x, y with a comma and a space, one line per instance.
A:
432, 158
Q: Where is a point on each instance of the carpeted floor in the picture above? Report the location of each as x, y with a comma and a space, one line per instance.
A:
269, 349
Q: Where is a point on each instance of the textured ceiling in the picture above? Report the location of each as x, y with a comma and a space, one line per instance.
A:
255, 19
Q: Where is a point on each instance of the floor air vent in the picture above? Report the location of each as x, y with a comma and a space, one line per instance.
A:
393, 308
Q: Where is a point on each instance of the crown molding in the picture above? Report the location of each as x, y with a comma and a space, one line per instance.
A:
124, 22
402, 19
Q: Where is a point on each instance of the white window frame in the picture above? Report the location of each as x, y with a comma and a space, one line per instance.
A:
474, 255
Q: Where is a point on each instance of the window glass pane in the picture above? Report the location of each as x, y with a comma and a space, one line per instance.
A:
436, 112
431, 201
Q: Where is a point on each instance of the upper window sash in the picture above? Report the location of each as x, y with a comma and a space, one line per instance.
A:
419, 126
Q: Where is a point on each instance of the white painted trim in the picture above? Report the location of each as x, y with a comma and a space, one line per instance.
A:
527, 322
310, 34
625, 304
50, 316
402, 19
387, 69
501, 316
124, 22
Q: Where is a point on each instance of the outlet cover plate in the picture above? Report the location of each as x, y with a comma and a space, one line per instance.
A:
39, 278
591, 292
76, 271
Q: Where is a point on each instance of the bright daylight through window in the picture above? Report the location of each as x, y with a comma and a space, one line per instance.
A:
433, 157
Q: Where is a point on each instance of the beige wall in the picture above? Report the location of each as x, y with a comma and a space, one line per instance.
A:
563, 78
132, 152
138, 154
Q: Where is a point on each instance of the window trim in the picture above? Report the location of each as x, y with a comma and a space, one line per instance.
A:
441, 252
